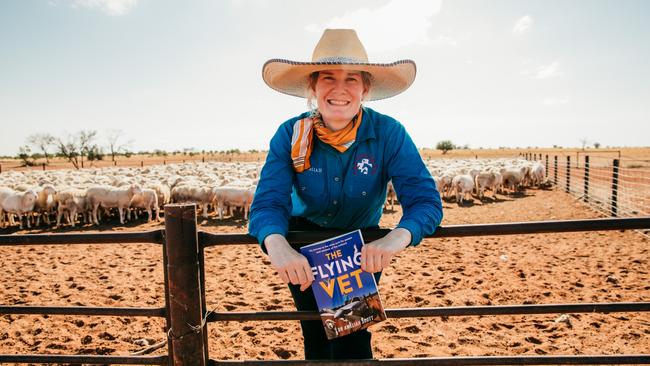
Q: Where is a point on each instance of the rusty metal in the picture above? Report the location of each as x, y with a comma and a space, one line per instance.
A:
84, 359
186, 339
514, 228
82, 310
446, 311
457, 361
153, 236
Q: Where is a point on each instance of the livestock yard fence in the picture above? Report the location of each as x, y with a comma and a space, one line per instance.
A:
187, 317
614, 186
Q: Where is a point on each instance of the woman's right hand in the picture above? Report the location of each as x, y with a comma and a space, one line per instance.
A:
292, 266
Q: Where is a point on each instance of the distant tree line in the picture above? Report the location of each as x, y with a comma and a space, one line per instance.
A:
74, 147
88, 145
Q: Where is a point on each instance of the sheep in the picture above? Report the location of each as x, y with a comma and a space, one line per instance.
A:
489, 180
71, 202
234, 197
463, 184
18, 203
538, 174
44, 203
201, 195
513, 177
109, 197
147, 200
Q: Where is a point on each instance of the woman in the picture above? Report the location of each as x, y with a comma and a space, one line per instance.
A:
329, 168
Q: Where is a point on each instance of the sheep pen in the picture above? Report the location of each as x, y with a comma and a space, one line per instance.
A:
521, 269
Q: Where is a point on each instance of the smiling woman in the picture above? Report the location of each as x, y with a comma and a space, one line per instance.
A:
329, 168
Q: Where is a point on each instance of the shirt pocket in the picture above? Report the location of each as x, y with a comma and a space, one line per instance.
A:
310, 184
361, 186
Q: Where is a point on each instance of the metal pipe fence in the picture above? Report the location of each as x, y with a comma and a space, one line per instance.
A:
188, 319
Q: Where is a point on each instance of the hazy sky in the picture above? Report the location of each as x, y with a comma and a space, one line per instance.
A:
187, 74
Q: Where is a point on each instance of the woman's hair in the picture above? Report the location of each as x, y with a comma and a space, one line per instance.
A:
366, 79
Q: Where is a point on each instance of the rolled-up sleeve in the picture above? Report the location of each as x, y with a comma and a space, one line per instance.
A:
415, 188
271, 207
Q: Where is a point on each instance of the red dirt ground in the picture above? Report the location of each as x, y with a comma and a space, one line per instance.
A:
523, 269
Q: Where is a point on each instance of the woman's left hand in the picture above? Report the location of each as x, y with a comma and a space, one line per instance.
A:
377, 255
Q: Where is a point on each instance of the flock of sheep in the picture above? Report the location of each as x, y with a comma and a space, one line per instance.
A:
65, 194
463, 178
92, 192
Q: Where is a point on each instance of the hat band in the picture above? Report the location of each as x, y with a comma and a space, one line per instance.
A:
340, 60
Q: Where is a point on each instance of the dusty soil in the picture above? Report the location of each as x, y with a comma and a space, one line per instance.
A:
523, 269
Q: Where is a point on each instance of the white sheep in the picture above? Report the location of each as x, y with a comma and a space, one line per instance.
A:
463, 184
490, 180
147, 200
229, 197
71, 202
111, 197
18, 203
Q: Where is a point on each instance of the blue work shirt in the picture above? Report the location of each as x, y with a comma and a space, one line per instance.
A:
346, 190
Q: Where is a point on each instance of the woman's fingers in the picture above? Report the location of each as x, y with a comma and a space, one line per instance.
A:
284, 276
385, 260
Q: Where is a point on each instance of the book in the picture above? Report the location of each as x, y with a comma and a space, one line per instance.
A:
347, 297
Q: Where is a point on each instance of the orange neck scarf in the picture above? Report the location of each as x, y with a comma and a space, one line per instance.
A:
303, 130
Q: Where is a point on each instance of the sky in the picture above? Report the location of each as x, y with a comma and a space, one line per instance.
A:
176, 75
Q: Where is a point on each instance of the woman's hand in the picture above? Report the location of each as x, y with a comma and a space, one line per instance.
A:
377, 255
292, 266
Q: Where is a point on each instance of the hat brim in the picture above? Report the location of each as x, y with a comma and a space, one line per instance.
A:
291, 77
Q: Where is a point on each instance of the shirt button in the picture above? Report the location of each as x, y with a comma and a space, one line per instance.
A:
335, 202
336, 179
302, 188
363, 193
324, 222
329, 215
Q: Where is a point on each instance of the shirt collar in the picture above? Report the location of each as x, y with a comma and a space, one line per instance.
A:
366, 130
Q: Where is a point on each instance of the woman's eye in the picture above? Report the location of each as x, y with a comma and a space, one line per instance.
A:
351, 80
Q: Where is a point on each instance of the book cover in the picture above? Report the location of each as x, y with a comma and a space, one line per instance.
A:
347, 296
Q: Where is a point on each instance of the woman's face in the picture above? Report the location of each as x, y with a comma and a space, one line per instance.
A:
339, 94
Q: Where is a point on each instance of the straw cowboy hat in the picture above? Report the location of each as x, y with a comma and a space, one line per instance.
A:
339, 49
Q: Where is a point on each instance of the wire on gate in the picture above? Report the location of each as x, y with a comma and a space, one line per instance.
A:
194, 329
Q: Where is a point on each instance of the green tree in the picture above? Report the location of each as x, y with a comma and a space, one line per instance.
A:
445, 146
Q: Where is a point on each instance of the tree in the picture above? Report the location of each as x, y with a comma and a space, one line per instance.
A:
597, 145
584, 142
43, 141
78, 145
445, 145
115, 143
24, 154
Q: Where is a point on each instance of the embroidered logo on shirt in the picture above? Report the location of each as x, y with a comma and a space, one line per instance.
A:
365, 165
316, 170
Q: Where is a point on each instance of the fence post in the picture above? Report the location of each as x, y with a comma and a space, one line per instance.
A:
0, 168
568, 174
555, 172
141, 163
114, 162
184, 305
546, 166
586, 195
43, 166
615, 188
